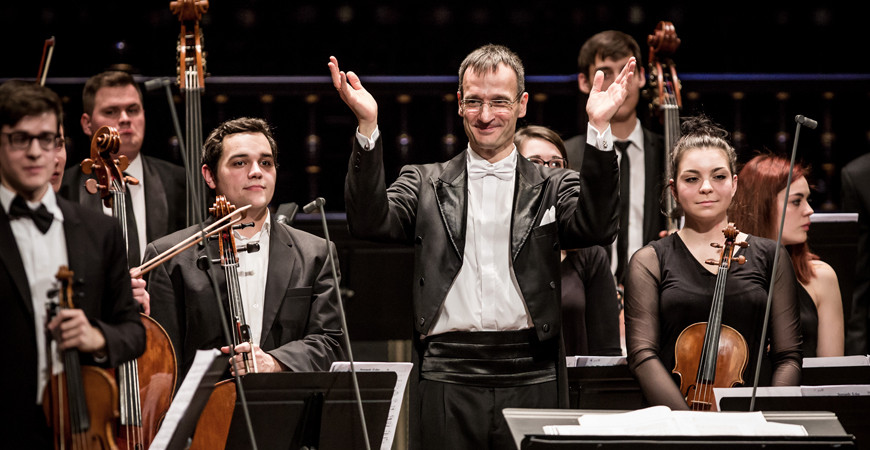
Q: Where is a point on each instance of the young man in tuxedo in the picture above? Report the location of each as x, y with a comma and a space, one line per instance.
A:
289, 296
40, 232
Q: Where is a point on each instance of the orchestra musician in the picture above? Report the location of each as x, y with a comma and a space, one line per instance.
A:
590, 307
487, 228
757, 207
156, 205
39, 232
609, 51
669, 287
289, 298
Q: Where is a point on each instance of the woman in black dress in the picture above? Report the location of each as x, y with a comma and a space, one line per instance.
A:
669, 287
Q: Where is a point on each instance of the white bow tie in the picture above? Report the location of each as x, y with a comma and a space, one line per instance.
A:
480, 169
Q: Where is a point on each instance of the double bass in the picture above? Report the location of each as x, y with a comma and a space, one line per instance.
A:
711, 354
146, 385
664, 85
80, 403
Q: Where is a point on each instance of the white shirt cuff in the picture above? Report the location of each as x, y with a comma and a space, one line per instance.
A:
367, 143
601, 141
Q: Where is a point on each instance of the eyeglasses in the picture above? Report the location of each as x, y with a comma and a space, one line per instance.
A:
555, 163
21, 140
474, 105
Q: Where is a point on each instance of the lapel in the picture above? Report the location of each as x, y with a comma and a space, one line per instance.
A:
76, 242
527, 203
653, 155
155, 202
451, 194
282, 270
11, 258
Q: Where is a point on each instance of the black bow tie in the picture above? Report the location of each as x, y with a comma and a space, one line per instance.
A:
41, 217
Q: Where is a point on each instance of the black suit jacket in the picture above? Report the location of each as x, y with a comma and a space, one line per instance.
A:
165, 195
654, 167
590, 308
301, 324
97, 256
856, 198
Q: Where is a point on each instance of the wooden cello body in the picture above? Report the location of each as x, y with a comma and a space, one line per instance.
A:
711, 354
146, 385
80, 403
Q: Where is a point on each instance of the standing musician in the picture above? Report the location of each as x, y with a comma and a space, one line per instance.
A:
609, 51
38, 233
487, 228
156, 205
289, 298
669, 287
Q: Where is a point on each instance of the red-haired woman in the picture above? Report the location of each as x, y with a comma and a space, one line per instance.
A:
757, 209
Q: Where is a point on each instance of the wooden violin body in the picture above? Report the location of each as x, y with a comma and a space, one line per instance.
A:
711, 354
213, 427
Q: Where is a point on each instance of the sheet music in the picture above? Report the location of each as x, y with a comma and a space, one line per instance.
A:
201, 363
595, 361
402, 370
837, 361
661, 421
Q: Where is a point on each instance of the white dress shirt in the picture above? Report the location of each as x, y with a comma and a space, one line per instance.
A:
42, 255
253, 268
637, 180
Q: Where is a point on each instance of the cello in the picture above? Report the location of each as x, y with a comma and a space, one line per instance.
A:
664, 85
715, 353
80, 403
191, 81
214, 422
146, 385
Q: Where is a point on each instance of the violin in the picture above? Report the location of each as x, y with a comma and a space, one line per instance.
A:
146, 384
214, 422
664, 85
191, 81
716, 354
80, 403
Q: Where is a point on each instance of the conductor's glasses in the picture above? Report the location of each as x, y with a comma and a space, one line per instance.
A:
473, 105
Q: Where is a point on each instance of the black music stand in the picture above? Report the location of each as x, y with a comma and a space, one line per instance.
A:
312, 410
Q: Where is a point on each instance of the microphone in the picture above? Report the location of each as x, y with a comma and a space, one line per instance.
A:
806, 121
316, 203
286, 213
157, 83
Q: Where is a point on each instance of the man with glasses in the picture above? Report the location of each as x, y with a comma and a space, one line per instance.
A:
40, 232
487, 227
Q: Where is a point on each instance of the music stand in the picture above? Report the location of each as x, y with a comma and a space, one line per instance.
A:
312, 410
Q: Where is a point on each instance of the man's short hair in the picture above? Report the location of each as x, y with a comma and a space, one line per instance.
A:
110, 78
607, 44
19, 99
488, 58
214, 144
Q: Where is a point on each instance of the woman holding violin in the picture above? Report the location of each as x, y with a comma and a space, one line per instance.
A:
669, 287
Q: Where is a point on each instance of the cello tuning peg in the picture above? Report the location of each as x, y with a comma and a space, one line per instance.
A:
87, 166
251, 247
92, 186
715, 245
741, 259
743, 244
243, 225
122, 162
130, 180
712, 262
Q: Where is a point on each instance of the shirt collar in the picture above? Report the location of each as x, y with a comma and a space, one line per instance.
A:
509, 162
48, 199
135, 168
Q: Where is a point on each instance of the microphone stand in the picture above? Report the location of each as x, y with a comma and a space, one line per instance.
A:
810, 123
165, 82
307, 209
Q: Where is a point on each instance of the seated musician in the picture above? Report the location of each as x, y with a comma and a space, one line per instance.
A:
758, 208
669, 287
39, 232
290, 301
590, 308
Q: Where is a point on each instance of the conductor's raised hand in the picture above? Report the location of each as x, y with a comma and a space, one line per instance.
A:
356, 97
602, 105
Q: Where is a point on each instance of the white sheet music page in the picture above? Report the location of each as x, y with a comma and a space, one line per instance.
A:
201, 362
661, 421
402, 370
